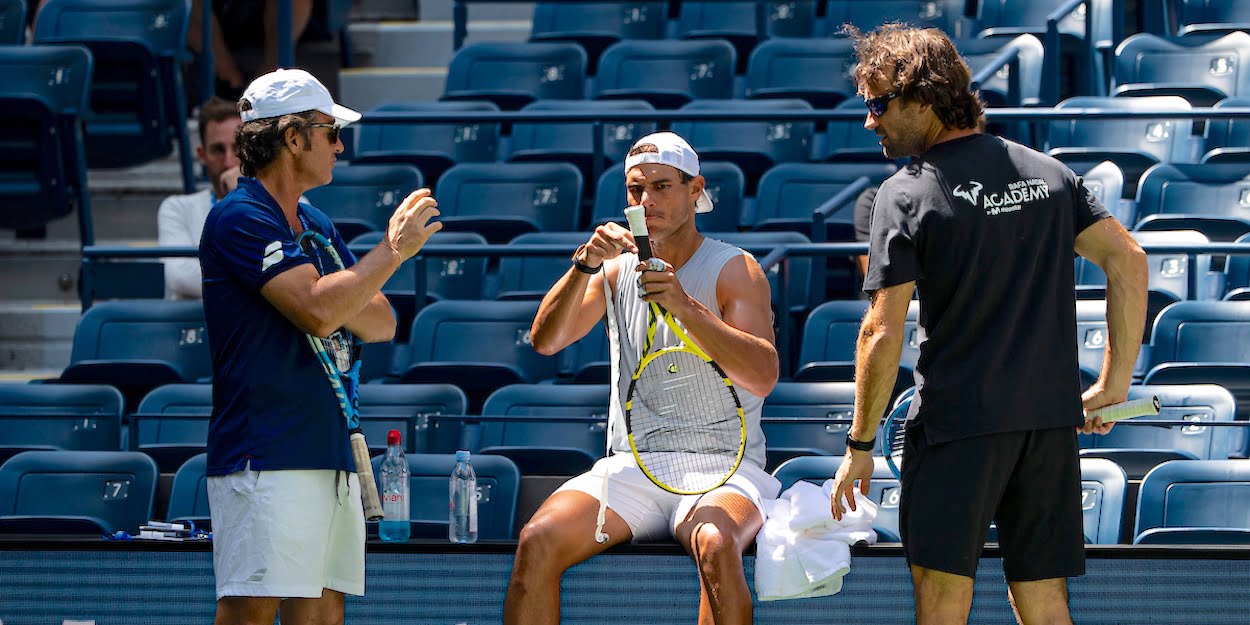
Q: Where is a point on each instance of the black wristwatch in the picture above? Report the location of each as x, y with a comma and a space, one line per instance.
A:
582, 267
860, 445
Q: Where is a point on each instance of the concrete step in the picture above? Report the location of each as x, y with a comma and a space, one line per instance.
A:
423, 44
364, 88
35, 338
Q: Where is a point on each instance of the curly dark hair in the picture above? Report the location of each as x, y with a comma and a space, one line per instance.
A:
259, 141
922, 65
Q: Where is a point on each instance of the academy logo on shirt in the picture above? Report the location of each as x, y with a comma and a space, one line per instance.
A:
273, 255
1009, 200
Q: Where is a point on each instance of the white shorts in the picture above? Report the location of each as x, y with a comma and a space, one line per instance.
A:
287, 533
651, 512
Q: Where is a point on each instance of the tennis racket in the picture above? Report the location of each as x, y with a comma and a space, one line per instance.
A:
339, 355
683, 417
896, 425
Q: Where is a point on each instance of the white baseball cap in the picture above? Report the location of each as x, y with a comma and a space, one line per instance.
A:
674, 152
287, 91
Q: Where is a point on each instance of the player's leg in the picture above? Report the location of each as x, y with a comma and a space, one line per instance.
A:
324, 610
715, 529
1040, 527
246, 610
950, 492
562, 533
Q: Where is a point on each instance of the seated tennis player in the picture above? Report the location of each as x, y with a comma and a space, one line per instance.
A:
719, 298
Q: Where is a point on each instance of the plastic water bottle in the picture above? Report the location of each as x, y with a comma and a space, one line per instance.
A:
463, 496
394, 527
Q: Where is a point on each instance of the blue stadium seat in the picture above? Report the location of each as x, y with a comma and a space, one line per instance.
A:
596, 25
408, 408
1081, 63
587, 360
478, 346
1106, 181
1212, 199
12, 22
738, 23
1228, 140
945, 15
1168, 272
530, 277
997, 91
1233, 376
802, 293
502, 200
884, 488
188, 496
76, 491
446, 277
1134, 144
546, 429
1133, 444
43, 168
514, 74
724, 182
666, 73
574, 143
754, 146
1103, 496
1201, 72
1188, 501
796, 419
1203, 17
362, 198
848, 140
1237, 280
790, 193
431, 147
1201, 332
138, 103
171, 424
828, 349
59, 416
139, 345
498, 486
1091, 335
801, 68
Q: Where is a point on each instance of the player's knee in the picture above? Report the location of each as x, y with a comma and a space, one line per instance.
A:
713, 546
540, 543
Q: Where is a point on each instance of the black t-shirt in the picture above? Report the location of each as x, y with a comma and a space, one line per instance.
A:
987, 229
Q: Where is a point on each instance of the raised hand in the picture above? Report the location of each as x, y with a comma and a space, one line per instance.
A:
411, 226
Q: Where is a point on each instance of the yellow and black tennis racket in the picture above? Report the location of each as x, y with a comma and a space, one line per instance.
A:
684, 419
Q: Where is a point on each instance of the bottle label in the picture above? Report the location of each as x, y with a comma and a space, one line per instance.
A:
392, 498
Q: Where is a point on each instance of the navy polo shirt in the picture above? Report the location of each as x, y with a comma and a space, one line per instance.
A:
272, 403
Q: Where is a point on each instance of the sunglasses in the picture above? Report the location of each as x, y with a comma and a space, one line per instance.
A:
878, 105
333, 135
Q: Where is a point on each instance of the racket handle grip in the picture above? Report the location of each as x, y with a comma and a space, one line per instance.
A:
1126, 410
637, 218
364, 471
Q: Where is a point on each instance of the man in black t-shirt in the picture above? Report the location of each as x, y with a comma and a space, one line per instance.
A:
985, 230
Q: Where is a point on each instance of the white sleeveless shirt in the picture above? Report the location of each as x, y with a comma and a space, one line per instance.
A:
627, 329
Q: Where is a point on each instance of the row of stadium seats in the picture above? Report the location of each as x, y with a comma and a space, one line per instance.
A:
554, 429
100, 492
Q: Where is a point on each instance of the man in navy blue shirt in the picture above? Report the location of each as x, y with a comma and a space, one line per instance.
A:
984, 230
288, 529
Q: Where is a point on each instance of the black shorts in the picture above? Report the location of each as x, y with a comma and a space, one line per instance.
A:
1029, 483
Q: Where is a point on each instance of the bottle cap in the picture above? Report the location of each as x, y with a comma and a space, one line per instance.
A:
462, 455
393, 437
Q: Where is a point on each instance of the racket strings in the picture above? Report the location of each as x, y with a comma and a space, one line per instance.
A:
685, 421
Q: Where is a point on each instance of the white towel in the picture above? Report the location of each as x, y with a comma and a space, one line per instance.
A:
802, 551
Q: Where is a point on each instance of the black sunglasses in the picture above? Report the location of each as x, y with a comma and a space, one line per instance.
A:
878, 105
333, 135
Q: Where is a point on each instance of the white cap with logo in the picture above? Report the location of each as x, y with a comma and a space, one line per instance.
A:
288, 91
674, 152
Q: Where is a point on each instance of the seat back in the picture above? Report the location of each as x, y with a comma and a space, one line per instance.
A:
815, 70
171, 424
754, 146
791, 418
1196, 403
801, 291
1201, 332
115, 487
830, 331
188, 496
1168, 272
1103, 486
528, 421
574, 142
59, 416
1194, 494
595, 26
12, 22
1091, 334
667, 73
361, 198
1106, 181
43, 102
997, 90
446, 277
407, 408
945, 15
848, 140
1213, 199
739, 20
171, 332
514, 74
530, 277
431, 147
502, 200
789, 193
1202, 73
1134, 144
1196, 17
498, 486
